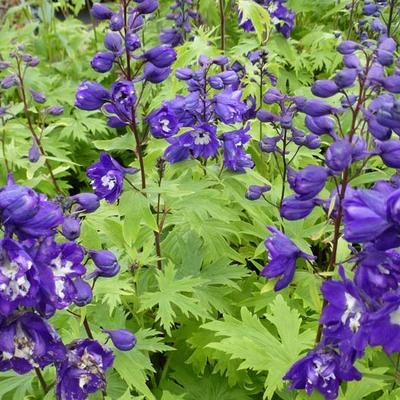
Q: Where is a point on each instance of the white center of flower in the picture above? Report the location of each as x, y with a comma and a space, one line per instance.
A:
354, 322
60, 268
273, 7
351, 303
201, 138
319, 368
16, 288
59, 286
383, 270
165, 125
23, 347
108, 181
395, 317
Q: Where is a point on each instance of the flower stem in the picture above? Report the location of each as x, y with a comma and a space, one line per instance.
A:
41, 380
222, 24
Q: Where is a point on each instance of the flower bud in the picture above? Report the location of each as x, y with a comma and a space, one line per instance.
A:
254, 192
348, 47
294, 209
155, 75
132, 41
122, 339
113, 42
298, 136
184, 74
102, 61
216, 82
268, 144
273, 96
38, 96
392, 83
54, 110
351, 61
220, 60
34, 153
87, 202
308, 182
101, 12
370, 9
313, 107
393, 207
34, 62
171, 36
266, 116
147, 6
348, 101
104, 260
84, 294
71, 228
338, 155
346, 78
9, 81
320, 125
312, 141
377, 130
91, 96
324, 88
390, 153
4, 65
161, 56
116, 22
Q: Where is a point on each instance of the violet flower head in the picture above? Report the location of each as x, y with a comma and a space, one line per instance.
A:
91, 96
155, 75
83, 293
293, 208
101, 12
38, 97
282, 254
323, 370
163, 122
161, 56
86, 202
229, 107
106, 263
83, 370
29, 342
254, 192
107, 177
102, 61
339, 155
308, 182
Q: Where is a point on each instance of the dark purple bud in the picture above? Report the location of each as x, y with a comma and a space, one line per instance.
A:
220, 60
34, 62
9, 81
286, 121
254, 192
348, 47
91, 96
228, 77
161, 56
376, 73
273, 96
324, 88
113, 42
171, 36
268, 144
390, 153
87, 202
122, 339
393, 207
392, 83
102, 61
132, 41
104, 260
71, 228
204, 61
84, 294
38, 96
348, 101
266, 116
320, 125
294, 209
116, 22
370, 9
298, 136
100, 11
184, 74
312, 141
388, 44
346, 77
386, 118
155, 75
34, 153
216, 82
338, 155
377, 130
314, 108
147, 6
360, 148
384, 57
4, 65
54, 110
351, 61
135, 22
308, 182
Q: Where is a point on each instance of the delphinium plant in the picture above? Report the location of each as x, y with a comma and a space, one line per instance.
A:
358, 126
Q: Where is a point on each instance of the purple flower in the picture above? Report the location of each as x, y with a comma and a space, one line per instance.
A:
18, 277
324, 88
314, 108
83, 293
338, 156
323, 370
132, 41
294, 209
28, 342
102, 61
83, 370
87, 202
54, 110
268, 144
116, 22
282, 255
171, 36
273, 96
266, 116
161, 56
308, 182
9, 81
320, 125
155, 75
390, 153
101, 12
235, 157
123, 99
34, 153
385, 325
254, 192
348, 47
351, 61
38, 96
91, 96
105, 261
123, 339
113, 42
71, 228
163, 122
146, 6
346, 78
107, 177
228, 106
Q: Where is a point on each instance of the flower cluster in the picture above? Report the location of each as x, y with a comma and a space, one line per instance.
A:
42, 270
212, 98
182, 14
122, 41
364, 310
282, 17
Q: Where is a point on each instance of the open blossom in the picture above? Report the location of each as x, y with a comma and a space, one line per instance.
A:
107, 177
83, 370
163, 122
282, 254
28, 342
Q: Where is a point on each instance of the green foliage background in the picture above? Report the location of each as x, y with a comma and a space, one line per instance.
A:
208, 326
